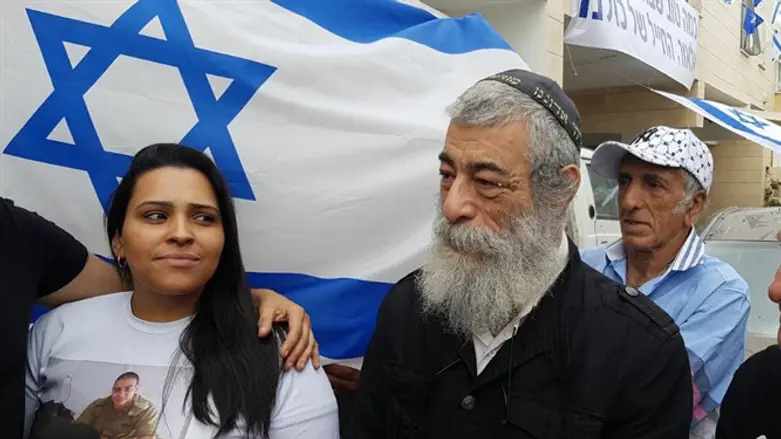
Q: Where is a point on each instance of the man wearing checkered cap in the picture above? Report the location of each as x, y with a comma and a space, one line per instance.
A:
664, 177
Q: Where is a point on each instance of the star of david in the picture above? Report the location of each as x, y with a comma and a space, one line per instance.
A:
106, 44
749, 119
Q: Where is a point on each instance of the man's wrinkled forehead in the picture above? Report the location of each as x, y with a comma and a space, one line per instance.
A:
500, 148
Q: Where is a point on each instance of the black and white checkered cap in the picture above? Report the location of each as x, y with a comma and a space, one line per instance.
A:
663, 146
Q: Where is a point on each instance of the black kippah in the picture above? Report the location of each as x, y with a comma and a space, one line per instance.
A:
547, 93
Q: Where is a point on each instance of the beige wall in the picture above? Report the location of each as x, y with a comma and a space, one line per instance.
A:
739, 175
547, 24
630, 110
720, 62
556, 30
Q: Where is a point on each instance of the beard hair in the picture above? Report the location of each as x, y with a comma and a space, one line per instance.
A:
477, 280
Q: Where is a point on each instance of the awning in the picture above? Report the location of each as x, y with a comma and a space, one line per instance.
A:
747, 124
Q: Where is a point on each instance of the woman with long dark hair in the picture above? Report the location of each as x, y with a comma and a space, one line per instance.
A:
188, 326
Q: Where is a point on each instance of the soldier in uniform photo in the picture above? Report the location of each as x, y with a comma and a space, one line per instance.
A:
125, 414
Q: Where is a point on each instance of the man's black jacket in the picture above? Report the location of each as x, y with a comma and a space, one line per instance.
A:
593, 360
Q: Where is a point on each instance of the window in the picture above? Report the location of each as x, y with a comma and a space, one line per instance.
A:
605, 195
750, 44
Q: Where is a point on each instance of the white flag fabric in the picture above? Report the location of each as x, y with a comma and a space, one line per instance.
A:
325, 116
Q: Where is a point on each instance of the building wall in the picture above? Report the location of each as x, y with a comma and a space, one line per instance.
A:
721, 64
556, 11
630, 110
739, 175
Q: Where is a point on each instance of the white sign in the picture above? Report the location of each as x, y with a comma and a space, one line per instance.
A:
740, 122
326, 118
660, 33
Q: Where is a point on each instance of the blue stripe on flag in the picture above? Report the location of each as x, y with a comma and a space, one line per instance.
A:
343, 311
38, 311
364, 21
731, 121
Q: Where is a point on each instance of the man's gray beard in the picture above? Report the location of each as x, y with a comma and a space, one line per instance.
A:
478, 281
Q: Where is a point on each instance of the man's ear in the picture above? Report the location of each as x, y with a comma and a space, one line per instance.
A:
573, 173
696, 209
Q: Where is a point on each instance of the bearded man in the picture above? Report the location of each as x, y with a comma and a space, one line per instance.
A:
504, 332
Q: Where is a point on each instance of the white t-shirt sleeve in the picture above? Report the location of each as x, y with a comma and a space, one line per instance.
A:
38, 349
305, 407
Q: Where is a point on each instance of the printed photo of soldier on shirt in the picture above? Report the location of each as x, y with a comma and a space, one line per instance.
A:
124, 413
115, 400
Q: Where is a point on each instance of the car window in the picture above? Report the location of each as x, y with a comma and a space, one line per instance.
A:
756, 262
605, 195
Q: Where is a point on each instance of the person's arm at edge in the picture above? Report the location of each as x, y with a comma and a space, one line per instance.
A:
38, 351
300, 344
96, 278
657, 400
743, 402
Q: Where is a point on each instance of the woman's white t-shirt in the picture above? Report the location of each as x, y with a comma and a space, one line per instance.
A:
77, 351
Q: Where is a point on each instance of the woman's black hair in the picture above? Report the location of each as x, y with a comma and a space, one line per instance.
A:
238, 371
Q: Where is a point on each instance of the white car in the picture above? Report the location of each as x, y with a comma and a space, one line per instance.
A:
748, 240
595, 208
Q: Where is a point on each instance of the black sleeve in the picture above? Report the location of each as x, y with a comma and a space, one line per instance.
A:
656, 400
368, 418
56, 255
742, 412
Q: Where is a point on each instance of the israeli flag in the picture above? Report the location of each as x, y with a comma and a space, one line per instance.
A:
751, 21
741, 122
325, 116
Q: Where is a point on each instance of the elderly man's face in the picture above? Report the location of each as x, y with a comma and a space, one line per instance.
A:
648, 196
495, 251
485, 175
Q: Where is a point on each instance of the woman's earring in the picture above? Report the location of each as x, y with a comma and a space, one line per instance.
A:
122, 264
